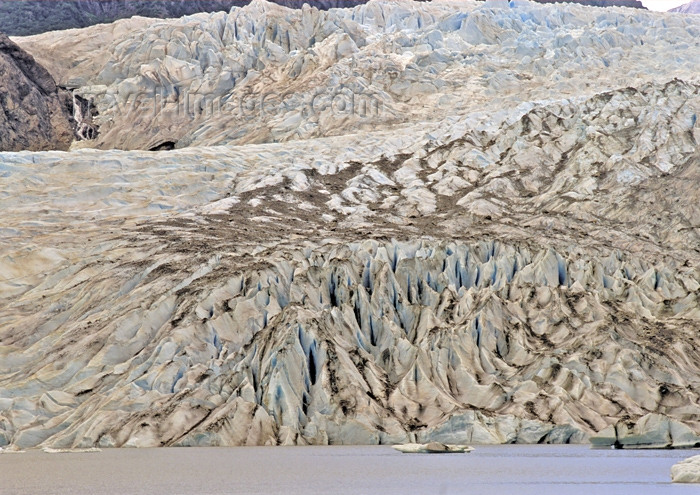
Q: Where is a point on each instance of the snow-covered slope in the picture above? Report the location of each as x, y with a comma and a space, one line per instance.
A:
510, 254
689, 8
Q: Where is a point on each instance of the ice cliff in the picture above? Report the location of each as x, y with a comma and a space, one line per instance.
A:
508, 253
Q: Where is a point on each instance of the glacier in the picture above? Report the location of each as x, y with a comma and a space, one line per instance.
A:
507, 252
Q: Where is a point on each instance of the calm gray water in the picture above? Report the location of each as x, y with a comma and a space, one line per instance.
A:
489, 470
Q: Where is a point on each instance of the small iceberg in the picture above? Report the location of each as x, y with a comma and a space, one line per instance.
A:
687, 471
432, 448
11, 450
50, 450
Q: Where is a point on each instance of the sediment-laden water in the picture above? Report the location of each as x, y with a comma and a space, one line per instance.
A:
491, 470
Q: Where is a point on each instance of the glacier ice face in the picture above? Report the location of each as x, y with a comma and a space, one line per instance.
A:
365, 342
522, 267
653, 431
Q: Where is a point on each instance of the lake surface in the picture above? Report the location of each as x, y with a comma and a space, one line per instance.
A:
489, 470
